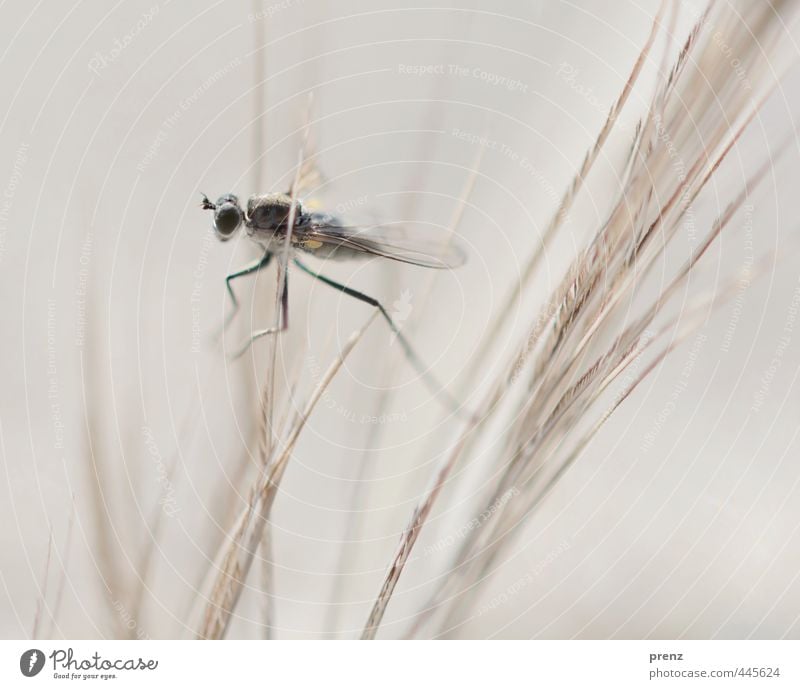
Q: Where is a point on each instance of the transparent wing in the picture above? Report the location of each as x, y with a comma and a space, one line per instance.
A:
418, 246
324, 233
310, 176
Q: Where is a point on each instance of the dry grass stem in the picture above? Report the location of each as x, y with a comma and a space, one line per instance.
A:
236, 562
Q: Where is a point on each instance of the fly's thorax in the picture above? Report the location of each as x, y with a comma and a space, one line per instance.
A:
271, 211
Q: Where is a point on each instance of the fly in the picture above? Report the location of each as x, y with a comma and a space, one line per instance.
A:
269, 221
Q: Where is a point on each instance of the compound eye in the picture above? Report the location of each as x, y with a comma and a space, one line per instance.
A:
227, 218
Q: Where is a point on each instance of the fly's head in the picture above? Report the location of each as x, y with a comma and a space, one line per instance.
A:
228, 215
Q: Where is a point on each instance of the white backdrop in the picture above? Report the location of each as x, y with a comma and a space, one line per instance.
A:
680, 520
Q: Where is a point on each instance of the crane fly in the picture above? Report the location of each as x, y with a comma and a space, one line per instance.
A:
282, 227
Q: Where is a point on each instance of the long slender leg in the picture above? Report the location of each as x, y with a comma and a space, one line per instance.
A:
433, 385
283, 320
250, 268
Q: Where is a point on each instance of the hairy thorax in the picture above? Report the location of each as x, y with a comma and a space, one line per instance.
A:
270, 212
268, 218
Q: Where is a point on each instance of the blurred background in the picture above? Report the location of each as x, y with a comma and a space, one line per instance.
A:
128, 438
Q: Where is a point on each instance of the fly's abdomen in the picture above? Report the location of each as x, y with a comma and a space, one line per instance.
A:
329, 249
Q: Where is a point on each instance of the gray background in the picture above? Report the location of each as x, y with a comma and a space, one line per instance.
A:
693, 536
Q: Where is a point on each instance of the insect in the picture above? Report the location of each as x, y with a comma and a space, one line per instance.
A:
282, 226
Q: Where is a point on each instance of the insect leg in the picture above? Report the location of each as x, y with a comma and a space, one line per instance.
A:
254, 267
283, 321
433, 385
